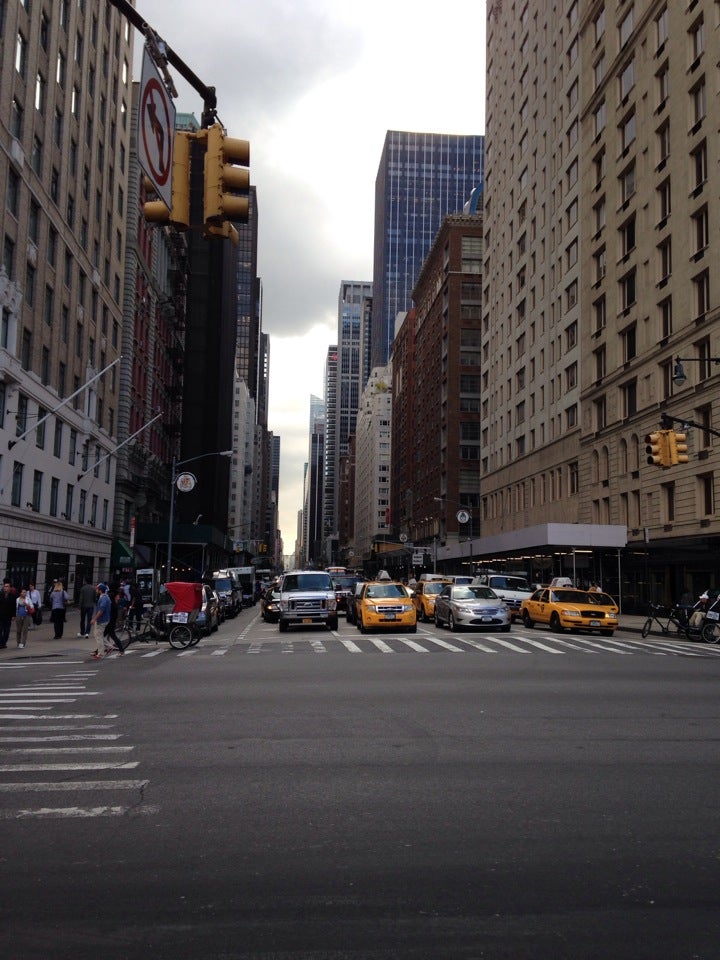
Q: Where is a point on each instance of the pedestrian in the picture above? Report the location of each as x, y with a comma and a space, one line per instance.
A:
7, 612
123, 604
58, 601
135, 611
36, 600
87, 601
23, 616
112, 622
100, 619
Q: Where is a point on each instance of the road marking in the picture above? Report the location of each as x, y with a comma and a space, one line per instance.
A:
414, 645
478, 645
511, 646
318, 646
350, 645
53, 751
70, 786
382, 646
219, 653
445, 645
33, 767
543, 646
68, 812
55, 739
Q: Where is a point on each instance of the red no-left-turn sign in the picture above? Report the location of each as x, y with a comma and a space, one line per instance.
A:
156, 129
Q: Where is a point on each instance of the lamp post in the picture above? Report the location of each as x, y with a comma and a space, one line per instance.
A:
186, 482
679, 376
463, 516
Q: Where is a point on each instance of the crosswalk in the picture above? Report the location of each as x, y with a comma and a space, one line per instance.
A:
517, 642
52, 728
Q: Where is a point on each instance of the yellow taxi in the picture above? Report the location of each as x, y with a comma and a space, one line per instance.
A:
385, 604
564, 608
424, 599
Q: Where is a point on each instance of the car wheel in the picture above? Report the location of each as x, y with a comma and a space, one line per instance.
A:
452, 626
282, 624
332, 623
507, 628
607, 633
555, 623
527, 620
437, 620
412, 629
361, 625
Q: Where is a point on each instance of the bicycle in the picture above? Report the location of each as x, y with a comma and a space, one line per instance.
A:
675, 616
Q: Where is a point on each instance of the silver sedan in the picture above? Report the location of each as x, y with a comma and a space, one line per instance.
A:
465, 606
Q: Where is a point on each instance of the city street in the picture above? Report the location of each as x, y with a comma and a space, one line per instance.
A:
315, 795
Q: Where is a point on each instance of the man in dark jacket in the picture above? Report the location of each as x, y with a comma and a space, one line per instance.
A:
8, 604
86, 602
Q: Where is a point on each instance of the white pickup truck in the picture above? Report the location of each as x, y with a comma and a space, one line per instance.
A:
513, 590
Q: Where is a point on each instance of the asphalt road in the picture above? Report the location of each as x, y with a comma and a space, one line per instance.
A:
273, 797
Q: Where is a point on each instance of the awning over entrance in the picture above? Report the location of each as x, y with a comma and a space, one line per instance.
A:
122, 554
541, 538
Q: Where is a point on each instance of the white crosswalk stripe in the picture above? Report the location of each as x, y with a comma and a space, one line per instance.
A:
33, 741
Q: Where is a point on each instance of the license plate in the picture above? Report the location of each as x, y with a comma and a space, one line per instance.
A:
712, 615
594, 623
486, 619
307, 620
389, 616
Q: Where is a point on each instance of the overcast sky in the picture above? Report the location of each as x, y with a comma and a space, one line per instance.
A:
314, 85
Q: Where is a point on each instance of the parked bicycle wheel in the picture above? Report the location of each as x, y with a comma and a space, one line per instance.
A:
181, 636
710, 631
647, 627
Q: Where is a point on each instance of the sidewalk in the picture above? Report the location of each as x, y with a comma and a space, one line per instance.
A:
41, 640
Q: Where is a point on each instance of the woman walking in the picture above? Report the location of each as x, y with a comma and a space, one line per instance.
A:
58, 601
23, 614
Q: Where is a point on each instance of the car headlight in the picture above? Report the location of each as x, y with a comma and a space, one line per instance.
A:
570, 613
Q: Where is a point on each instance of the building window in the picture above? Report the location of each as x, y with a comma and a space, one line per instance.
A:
54, 494
629, 343
627, 183
664, 200
12, 196
627, 131
668, 498
17, 484
663, 143
697, 40
706, 495
626, 27
600, 356
698, 159
663, 86
699, 102
701, 232
666, 322
627, 290
701, 293
21, 55
600, 118
629, 398
665, 258
600, 413
661, 27
627, 236
599, 311
627, 78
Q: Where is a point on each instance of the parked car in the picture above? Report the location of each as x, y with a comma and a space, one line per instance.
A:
463, 605
270, 605
383, 604
424, 598
564, 608
228, 590
351, 608
208, 618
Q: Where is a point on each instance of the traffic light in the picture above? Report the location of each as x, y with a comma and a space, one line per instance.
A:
155, 211
677, 447
226, 186
657, 448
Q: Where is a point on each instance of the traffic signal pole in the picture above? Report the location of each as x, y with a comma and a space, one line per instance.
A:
163, 54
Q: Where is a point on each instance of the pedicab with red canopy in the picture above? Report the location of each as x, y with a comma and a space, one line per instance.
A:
182, 619
172, 618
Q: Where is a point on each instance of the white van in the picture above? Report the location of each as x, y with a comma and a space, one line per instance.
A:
512, 589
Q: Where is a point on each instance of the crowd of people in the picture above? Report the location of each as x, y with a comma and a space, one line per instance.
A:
103, 609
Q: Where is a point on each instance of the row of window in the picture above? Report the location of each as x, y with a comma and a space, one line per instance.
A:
92, 513
629, 505
547, 487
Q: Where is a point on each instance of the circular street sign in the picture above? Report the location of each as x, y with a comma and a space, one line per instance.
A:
462, 516
186, 482
403, 538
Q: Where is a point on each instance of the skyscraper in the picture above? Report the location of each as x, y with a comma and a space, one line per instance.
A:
421, 178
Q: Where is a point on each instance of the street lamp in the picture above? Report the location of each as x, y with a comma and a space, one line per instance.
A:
186, 482
463, 516
679, 376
